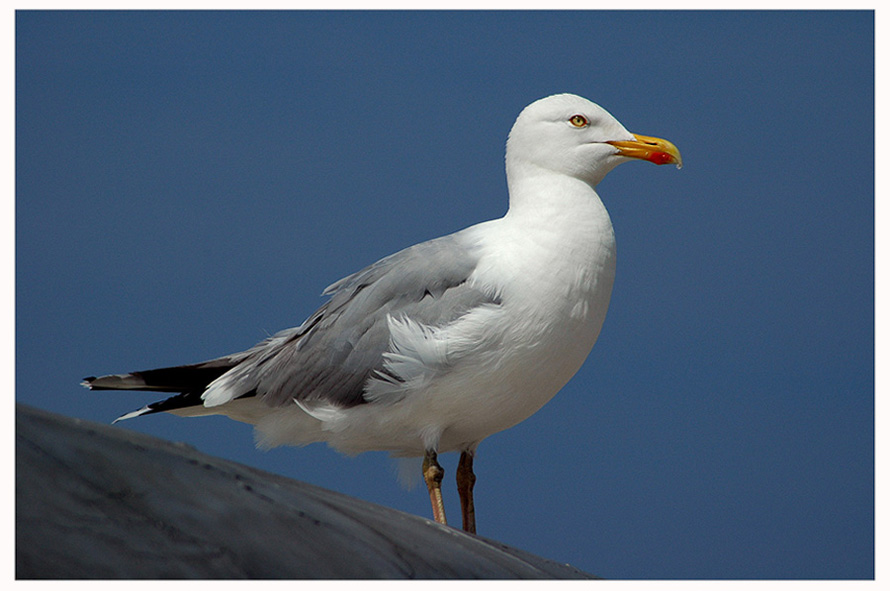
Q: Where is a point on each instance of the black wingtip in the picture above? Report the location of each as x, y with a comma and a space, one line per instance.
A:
88, 382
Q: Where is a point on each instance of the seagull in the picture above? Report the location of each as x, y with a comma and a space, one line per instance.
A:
436, 347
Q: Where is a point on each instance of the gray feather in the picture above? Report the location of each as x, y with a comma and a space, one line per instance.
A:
331, 356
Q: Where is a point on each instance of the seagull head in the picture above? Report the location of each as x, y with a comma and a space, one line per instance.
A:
568, 134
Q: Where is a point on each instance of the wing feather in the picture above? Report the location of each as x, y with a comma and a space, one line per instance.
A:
331, 357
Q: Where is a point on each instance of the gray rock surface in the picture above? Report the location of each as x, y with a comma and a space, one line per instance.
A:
99, 502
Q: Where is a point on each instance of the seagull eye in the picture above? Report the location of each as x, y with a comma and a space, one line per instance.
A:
579, 121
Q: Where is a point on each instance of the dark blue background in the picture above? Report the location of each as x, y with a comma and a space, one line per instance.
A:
188, 182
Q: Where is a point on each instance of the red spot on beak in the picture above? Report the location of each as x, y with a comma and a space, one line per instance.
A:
661, 158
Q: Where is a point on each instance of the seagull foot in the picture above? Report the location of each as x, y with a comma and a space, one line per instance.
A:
466, 479
432, 475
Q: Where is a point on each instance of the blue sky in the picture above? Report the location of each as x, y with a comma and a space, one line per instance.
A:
188, 182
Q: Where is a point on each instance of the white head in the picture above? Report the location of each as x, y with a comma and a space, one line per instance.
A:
570, 135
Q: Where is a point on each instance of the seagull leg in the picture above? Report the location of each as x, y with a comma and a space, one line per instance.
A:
465, 481
432, 475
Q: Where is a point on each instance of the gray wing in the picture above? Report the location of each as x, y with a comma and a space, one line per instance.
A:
334, 352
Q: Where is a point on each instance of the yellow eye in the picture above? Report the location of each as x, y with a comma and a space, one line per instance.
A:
579, 121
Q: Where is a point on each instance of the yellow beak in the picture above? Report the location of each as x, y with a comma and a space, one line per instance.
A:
648, 148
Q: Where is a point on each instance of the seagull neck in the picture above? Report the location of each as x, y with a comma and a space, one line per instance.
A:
548, 195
